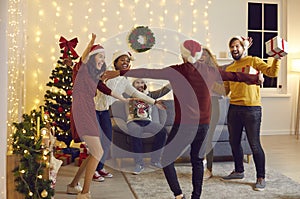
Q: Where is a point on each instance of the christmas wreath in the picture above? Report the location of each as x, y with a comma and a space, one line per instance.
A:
141, 39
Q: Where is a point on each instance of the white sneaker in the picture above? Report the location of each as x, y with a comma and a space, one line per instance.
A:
204, 161
74, 190
97, 177
138, 169
207, 174
84, 196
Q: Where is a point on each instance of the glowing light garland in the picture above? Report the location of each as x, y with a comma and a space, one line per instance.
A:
16, 33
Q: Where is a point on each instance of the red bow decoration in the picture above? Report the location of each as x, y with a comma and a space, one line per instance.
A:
68, 46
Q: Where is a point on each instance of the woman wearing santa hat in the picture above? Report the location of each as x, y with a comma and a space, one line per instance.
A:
86, 77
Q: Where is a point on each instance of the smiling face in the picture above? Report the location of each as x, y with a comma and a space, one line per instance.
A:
122, 63
139, 84
236, 49
100, 60
205, 56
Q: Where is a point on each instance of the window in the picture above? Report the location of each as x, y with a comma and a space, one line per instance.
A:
263, 24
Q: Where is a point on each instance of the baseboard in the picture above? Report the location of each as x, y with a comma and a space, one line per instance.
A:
277, 132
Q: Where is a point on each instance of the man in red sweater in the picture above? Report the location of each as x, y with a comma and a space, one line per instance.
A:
192, 83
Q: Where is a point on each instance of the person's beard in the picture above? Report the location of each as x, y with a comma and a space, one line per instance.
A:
238, 57
141, 89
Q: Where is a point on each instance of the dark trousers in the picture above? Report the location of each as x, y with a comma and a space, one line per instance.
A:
178, 140
250, 118
137, 128
103, 118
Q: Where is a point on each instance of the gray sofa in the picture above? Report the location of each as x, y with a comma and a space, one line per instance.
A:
220, 139
121, 139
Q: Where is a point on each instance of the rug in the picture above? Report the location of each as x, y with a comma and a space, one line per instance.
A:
151, 184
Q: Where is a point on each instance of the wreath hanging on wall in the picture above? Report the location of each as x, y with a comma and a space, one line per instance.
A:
141, 39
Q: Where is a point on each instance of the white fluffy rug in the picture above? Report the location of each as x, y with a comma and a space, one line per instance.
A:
152, 184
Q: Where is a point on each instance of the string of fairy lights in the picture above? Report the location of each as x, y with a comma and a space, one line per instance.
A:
206, 23
16, 31
159, 14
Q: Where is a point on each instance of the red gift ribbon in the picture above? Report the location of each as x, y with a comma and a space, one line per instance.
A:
277, 53
82, 156
68, 46
68, 156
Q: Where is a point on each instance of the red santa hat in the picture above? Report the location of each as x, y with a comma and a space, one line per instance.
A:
96, 49
244, 41
191, 50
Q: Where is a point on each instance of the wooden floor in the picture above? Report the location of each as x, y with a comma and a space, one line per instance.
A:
282, 154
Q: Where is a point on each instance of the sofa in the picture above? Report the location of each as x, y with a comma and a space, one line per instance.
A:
121, 139
220, 139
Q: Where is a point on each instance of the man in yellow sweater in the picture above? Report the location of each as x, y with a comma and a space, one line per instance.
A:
245, 110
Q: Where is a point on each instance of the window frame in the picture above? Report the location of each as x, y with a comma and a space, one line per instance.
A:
282, 32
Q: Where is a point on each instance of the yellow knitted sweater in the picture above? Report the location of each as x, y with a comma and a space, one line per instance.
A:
249, 95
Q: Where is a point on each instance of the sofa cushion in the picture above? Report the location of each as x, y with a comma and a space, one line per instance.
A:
221, 134
155, 114
170, 112
117, 109
223, 107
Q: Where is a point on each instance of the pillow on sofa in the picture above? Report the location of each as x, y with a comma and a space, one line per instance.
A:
117, 109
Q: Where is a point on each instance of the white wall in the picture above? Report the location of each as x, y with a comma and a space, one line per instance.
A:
112, 22
3, 101
293, 29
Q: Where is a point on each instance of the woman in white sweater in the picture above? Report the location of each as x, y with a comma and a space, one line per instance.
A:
121, 61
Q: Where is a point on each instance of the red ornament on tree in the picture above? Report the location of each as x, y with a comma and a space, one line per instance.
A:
60, 109
68, 114
69, 92
56, 80
54, 123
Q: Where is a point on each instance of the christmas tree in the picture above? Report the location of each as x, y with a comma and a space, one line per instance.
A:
31, 176
58, 98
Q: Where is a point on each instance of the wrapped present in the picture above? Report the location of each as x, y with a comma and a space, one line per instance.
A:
66, 158
82, 155
83, 148
60, 144
277, 47
74, 152
80, 159
76, 161
247, 69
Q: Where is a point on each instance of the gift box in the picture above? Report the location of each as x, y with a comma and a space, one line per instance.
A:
82, 155
80, 159
74, 152
66, 158
277, 47
248, 70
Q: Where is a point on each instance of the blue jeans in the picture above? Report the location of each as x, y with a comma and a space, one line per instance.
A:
178, 140
136, 129
103, 118
250, 118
